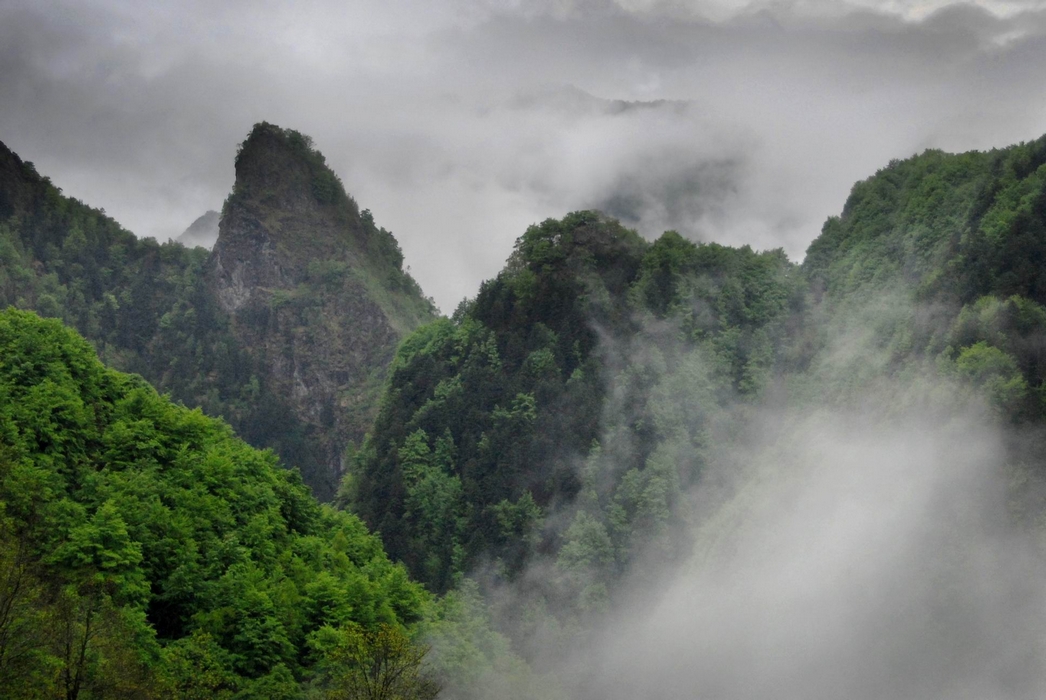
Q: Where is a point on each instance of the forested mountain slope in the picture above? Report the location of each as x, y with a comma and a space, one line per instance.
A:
589, 376
563, 413
954, 249
285, 329
584, 420
147, 552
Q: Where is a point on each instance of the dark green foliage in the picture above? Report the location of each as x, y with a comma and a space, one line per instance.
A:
488, 416
562, 413
145, 307
598, 374
954, 226
143, 546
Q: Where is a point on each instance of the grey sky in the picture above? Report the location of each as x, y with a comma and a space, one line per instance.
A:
460, 123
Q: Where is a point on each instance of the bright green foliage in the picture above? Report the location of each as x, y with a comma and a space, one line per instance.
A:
144, 306
144, 547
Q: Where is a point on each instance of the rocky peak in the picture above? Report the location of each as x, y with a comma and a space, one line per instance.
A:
286, 210
282, 168
315, 290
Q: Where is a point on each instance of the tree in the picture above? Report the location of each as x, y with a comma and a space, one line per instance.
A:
371, 664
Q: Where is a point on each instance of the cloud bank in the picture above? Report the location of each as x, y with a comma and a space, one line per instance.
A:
460, 123
869, 558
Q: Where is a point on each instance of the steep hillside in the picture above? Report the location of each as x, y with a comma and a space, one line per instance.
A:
315, 291
564, 417
586, 380
147, 552
285, 329
954, 248
957, 226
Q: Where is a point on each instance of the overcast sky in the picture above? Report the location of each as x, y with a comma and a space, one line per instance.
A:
460, 123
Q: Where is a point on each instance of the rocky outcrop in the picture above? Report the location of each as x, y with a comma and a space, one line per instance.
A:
316, 292
286, 328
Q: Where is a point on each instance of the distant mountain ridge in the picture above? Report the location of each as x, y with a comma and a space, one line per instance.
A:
285, 329
203, 232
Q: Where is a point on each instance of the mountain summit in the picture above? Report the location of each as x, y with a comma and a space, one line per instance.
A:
316, 291
203, 232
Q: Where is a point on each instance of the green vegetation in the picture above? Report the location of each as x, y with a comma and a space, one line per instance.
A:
595, 378
145, 551
958, 245
586, 376
559, 418
153, 309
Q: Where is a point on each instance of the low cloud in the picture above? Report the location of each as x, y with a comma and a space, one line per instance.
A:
461, 123
865, 558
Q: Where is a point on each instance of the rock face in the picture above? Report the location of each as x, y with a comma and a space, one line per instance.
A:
316, 292
201, 233
286, 328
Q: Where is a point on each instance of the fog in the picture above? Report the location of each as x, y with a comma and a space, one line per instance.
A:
863, 531
865, 558
866, 550
462, 122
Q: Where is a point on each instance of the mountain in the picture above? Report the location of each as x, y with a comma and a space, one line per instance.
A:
578, 380
203, 232
148, 552
560, 420
315, 291
607, 416
285, 329
572, 101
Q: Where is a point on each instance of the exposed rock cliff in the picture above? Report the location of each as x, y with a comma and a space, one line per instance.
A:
316, 291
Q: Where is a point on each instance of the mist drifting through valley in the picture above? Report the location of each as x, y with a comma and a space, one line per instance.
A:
868, 558
687, 425
838, 547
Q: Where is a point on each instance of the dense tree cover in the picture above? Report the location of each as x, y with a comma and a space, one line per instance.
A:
955, 226
597, 375
545, 391
957, 243
559, 416
145, 551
